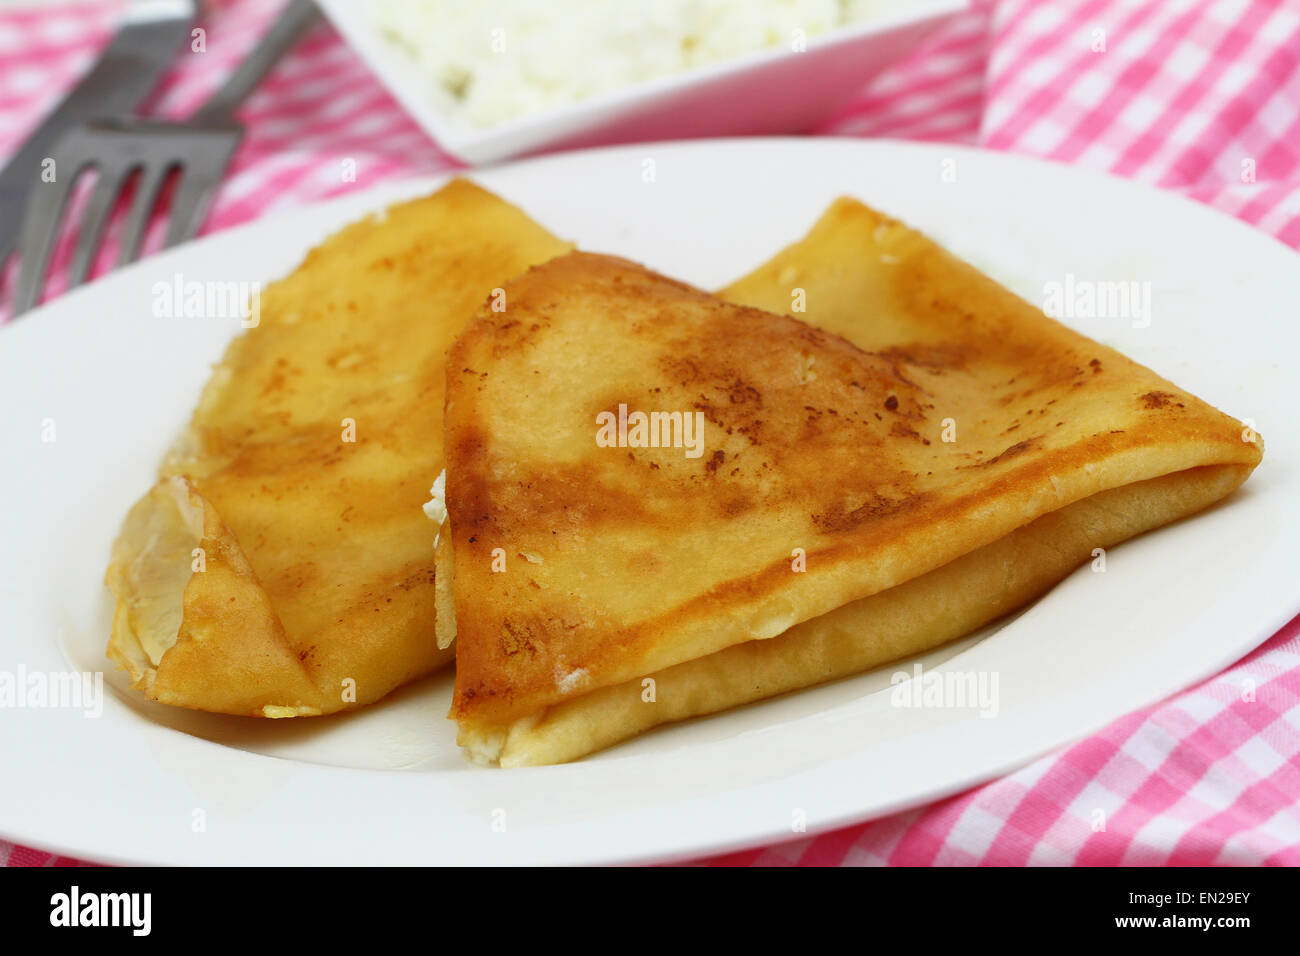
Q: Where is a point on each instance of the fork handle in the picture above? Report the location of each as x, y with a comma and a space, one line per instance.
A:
288, 26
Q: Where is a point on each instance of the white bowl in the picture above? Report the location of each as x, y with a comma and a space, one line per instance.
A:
768, 91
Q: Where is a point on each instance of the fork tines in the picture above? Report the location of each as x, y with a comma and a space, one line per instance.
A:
121, 151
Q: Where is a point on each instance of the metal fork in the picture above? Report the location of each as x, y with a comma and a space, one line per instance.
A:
198, 149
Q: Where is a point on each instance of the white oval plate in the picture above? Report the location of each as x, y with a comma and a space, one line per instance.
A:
386, 785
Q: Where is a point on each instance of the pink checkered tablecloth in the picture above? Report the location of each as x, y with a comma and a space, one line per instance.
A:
1186, 96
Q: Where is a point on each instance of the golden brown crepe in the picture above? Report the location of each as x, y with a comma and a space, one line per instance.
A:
282, 565
827, 525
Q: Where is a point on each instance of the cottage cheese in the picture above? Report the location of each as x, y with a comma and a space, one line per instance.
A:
496, 60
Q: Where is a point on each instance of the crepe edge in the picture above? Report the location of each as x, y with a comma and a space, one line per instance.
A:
172, 665
613, 714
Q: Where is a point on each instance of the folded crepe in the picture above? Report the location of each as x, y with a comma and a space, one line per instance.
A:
281, 565
925, 454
